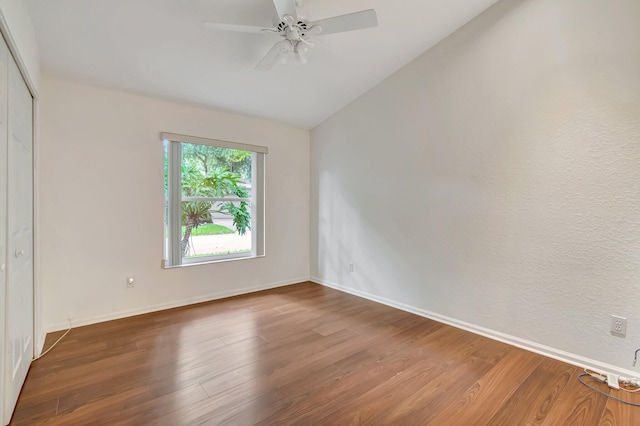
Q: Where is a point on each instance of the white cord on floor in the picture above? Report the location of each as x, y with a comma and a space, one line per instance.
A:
54, 344
580, 376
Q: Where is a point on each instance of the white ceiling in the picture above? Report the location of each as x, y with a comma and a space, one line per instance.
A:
160, 48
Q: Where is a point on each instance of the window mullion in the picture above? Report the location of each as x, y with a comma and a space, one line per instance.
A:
216, 199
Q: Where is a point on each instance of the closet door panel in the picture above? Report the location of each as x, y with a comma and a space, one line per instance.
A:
4, 54
19, 285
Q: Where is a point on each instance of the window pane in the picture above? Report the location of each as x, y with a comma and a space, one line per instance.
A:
220, 227
215, 233
208, 171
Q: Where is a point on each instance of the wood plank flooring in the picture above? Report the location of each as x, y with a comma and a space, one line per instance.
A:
302, 354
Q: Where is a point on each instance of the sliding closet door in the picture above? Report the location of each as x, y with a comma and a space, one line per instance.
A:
19, 300
3, 206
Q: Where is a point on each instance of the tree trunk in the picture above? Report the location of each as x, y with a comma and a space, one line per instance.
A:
185, 238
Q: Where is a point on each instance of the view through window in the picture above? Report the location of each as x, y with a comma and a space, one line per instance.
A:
212, 194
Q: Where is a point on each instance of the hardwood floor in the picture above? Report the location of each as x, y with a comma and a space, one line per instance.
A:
302, 354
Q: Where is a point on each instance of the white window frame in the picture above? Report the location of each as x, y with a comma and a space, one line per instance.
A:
173, 255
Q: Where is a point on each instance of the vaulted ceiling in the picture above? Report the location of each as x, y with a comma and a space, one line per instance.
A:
160, 48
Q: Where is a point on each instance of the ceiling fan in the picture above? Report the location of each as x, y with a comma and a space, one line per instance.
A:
295, 31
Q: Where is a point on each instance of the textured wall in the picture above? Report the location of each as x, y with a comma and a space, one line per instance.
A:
496, 179
102, 204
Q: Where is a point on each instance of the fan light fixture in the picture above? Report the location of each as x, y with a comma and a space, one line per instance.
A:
295, 31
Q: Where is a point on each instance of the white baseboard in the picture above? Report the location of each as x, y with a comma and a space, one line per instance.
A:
547, 351
79, 322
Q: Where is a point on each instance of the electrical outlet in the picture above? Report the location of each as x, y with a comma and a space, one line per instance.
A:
618, 326
350, 266
130, 282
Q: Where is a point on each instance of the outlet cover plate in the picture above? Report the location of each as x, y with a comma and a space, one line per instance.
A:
618, 326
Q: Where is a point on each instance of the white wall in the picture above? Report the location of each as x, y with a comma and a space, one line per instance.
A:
494, 182
102, 204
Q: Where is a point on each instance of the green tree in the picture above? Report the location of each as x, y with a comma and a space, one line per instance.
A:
206, 158
213, 183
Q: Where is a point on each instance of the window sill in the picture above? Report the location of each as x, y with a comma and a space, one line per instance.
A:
208, 262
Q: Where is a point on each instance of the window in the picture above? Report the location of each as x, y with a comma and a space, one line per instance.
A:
214, 200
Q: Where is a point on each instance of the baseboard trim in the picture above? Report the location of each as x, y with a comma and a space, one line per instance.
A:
530, 346
79, 322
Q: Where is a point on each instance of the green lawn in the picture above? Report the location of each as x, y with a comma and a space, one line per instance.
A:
210, 229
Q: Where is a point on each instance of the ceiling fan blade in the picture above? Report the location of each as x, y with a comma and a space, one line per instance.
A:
286, 7
233, 27
278, 50
348, 22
